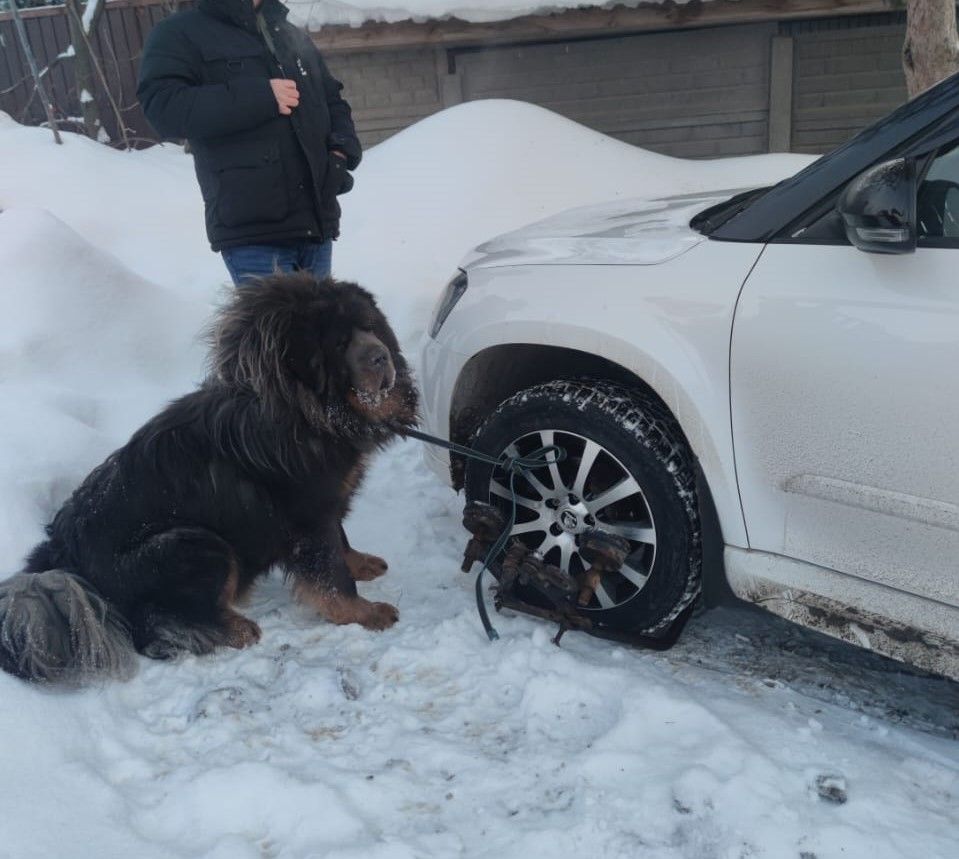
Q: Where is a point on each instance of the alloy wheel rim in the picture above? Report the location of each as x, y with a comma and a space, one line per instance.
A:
590, 489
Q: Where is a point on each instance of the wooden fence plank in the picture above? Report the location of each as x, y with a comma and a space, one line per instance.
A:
118, 41
8, 76
62, 70
56, 80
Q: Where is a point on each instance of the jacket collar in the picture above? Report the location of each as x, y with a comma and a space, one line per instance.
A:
241, 12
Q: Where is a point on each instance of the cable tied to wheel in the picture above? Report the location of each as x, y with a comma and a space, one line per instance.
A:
514, 466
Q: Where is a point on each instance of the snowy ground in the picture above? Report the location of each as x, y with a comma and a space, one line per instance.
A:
426, 740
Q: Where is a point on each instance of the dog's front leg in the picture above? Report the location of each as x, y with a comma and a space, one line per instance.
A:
363, 567
323, 580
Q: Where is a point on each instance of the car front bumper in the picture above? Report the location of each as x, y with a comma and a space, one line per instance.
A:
440, 367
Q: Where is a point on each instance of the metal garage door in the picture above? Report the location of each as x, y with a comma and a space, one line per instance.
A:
844, 80
698, 93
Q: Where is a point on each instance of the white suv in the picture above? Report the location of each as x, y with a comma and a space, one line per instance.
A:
758, 392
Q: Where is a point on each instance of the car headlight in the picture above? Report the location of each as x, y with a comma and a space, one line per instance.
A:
453, 293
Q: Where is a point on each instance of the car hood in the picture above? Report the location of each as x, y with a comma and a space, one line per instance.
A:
627, 232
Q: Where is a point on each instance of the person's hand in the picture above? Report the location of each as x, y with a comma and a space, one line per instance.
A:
287, 95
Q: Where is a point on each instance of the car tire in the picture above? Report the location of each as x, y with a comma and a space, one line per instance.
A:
613, 435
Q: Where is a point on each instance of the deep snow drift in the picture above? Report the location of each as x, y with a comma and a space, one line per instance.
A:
87, 348
425, 740
422, 198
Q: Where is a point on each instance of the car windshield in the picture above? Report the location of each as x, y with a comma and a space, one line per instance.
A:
760, 215
715, 216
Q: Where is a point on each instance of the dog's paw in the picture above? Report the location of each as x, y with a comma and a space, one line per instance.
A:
160, 649
241, 631
364, 567
339, 608
380, 616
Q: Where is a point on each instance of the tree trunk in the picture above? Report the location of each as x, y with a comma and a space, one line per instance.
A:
931, 49
84, 64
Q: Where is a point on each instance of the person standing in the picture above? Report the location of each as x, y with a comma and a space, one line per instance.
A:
272, 137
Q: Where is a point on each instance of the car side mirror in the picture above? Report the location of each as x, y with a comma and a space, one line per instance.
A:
878, 208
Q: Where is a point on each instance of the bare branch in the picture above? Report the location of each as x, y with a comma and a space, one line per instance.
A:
38, 81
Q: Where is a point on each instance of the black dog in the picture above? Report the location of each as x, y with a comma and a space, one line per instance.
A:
255, 468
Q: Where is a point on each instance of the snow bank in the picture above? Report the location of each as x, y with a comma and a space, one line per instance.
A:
422, 199
316, 13
426, 196
425, 740
139, 206
86, 348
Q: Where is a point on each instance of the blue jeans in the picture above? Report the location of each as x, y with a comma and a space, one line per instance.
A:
248, 261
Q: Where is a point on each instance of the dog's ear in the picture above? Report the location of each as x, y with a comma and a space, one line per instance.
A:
304, 356
251, 337
374, 320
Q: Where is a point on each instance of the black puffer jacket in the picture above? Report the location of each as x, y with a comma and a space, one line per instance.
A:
266, 178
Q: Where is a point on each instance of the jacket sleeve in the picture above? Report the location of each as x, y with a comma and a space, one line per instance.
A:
179, 106
342, 133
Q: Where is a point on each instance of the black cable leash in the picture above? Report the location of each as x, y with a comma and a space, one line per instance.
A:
514, 466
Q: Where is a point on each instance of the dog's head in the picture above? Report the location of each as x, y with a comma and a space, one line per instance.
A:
320, 348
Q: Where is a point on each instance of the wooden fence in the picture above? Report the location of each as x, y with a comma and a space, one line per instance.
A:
118, 42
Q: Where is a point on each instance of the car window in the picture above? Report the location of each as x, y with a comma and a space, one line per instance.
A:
937, 208
937, 204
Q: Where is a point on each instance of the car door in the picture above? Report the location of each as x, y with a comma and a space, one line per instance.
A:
845, 402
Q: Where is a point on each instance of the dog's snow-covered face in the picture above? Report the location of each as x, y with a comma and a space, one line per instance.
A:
323, 347
349, 356
380, 387
371, 368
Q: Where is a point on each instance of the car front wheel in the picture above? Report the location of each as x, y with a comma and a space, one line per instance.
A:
628, 471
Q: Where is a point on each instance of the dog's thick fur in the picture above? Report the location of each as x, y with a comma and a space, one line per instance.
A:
255, 468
